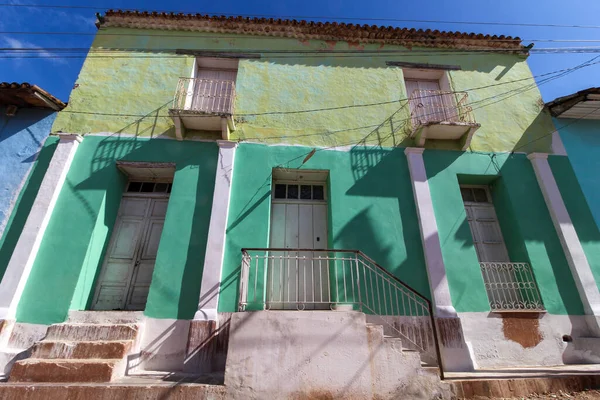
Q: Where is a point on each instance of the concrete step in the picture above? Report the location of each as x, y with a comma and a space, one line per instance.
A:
522, 387
105, 317
91, 332
37, 370
9, 356
150, 391
81, 350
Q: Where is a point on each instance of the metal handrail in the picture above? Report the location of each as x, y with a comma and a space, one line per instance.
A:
269, 262
431, 106
211, 96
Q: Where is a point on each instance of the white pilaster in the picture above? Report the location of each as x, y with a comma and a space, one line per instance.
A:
19, 266
215, 245
436, 271
580, 268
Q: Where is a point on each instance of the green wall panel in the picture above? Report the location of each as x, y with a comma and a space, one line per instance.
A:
23, 205
71, 253
579, 210
521, 208
371, 209
300, 99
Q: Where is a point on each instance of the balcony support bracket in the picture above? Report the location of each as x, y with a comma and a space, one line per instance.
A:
179, 126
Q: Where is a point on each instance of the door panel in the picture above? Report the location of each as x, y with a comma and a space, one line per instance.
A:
150, 247
159, 208
126, 275
292, 270
133, 207
305, 262
127, 235
211, 93
486, 232
113, 287
298, 277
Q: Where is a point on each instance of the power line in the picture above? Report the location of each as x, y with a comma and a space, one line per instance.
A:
310, 52
102, 32
519, 90
574, 121
333, 18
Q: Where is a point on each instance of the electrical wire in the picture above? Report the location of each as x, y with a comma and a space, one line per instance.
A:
103, 32
561, 73
310, 53
333, 18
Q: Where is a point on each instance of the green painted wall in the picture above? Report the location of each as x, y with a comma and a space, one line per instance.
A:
525, 222
72, 250
137, 83
371, 209
20, 212
579, 210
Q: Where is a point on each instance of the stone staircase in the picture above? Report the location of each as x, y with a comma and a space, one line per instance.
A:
78, 352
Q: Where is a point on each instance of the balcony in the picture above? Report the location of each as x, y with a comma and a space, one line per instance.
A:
441, 115
345, 280
203, 105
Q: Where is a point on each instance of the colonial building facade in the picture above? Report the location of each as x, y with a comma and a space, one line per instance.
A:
271, 197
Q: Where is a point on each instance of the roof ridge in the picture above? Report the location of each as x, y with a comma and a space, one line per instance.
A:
309, 30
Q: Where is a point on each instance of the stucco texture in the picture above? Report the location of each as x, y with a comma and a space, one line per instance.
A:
371, 208
21, 138
581, 208
524, 220
71, 253
129, 79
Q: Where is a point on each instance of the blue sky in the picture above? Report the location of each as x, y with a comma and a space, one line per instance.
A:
57, 75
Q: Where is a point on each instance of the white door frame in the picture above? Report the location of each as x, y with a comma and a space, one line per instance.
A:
299, 202
136, 254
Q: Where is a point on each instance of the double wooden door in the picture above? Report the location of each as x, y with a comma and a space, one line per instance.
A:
129, 263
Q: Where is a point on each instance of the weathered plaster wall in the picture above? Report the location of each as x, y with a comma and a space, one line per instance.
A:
581, 139
73, 247
21, 138
23, 148
137, 83
371, 209
522, 210
571, 186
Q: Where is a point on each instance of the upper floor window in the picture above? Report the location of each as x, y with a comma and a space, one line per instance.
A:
437, 111
213, 85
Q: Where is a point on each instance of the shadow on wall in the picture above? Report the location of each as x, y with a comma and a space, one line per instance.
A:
82, 224
11, 235
537, 136
381, 174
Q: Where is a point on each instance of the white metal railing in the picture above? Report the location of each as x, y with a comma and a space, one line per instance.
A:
431, 106
308, 279
511, 286
212, 96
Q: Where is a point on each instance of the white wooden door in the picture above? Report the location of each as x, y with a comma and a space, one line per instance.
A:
429, 106
125, 278
486, 232
211, 94
298, 279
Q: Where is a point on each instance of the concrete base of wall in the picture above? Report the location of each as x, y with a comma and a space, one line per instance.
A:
321, 354
522, 339
16, 339
162, 345
207, 345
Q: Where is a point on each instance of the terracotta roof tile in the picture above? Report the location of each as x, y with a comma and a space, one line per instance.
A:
24, 95
310, 30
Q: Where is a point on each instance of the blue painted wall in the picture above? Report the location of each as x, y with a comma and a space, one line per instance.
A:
22, 140
582, 142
